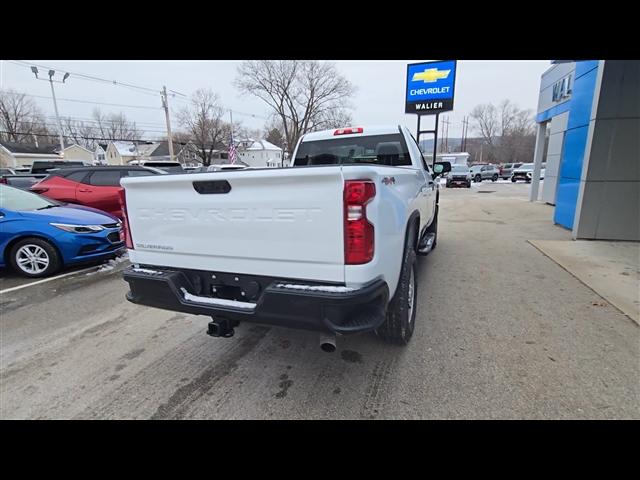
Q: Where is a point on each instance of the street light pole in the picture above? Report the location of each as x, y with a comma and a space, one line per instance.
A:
55, 107
55, 103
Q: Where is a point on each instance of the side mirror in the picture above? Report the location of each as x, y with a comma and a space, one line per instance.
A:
441, 167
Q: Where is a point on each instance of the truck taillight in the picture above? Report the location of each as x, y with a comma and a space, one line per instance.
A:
348, 131
125, 233
358, 232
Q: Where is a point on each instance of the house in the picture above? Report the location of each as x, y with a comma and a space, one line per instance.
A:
260, 153
188, 154
120, 153
13, 154
160, 151
219, 157
100, 154
76, 152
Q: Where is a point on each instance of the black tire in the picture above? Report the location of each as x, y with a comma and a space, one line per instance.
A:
494, 178
52, 254
528, 181
478, 178
469, 185
400, 322
513, 180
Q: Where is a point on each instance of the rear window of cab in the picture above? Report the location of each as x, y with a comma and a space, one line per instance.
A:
388, 149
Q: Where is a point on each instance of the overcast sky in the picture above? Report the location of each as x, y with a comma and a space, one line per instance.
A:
379, 97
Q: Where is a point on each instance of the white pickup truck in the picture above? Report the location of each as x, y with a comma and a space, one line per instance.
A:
328, 245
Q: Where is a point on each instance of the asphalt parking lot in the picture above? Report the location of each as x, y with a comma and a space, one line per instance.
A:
502, 332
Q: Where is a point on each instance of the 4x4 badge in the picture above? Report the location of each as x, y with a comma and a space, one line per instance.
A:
389, 180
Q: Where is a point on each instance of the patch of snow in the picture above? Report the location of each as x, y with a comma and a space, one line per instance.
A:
221, 302
316, 288
111, 264
146, 270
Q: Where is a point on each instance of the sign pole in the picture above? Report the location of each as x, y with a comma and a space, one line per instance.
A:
435, 135
435, 139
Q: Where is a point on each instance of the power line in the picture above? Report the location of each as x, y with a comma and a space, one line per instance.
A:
86, 76
93, 120
186, 101
82, 101
142, 129
72, 137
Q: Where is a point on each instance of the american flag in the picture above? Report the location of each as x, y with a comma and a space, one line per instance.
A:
232, 152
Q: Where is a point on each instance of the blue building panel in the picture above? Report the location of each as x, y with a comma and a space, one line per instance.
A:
553, 111
575, 142
582, 99
585, 66
566, 198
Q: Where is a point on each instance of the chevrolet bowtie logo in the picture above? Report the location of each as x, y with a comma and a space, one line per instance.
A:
430, 75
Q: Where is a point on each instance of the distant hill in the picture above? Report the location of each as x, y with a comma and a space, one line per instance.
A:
452, 143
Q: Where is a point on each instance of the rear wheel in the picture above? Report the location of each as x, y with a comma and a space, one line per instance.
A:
478, 178
34, 257
494, 178
401, 312
513, 180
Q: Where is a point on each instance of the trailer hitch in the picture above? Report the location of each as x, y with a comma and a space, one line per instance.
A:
222, 327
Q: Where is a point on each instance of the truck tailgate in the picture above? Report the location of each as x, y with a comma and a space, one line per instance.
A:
275, 222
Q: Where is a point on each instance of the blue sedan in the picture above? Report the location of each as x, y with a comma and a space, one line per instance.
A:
39, 236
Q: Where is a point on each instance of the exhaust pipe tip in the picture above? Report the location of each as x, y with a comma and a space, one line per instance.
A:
328, 347
328, 343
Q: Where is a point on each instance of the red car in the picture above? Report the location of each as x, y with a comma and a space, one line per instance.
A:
96, 187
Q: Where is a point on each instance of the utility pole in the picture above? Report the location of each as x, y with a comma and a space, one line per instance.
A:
465, 129
231, 119
165, 105
445, 126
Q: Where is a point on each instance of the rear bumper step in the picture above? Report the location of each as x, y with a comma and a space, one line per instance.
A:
285, 303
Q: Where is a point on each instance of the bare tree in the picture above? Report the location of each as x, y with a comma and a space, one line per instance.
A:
20, 118
79, 132
115, 126
485, 121
203, 121
506, 131
304, 95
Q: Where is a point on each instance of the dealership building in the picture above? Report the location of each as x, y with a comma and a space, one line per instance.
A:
588, 133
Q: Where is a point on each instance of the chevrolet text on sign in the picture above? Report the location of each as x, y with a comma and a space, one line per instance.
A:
430, 87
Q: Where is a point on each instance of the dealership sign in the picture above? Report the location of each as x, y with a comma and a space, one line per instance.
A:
430, 87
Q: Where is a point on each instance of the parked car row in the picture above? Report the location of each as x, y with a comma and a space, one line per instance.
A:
38, 236
63, 216
462, 175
